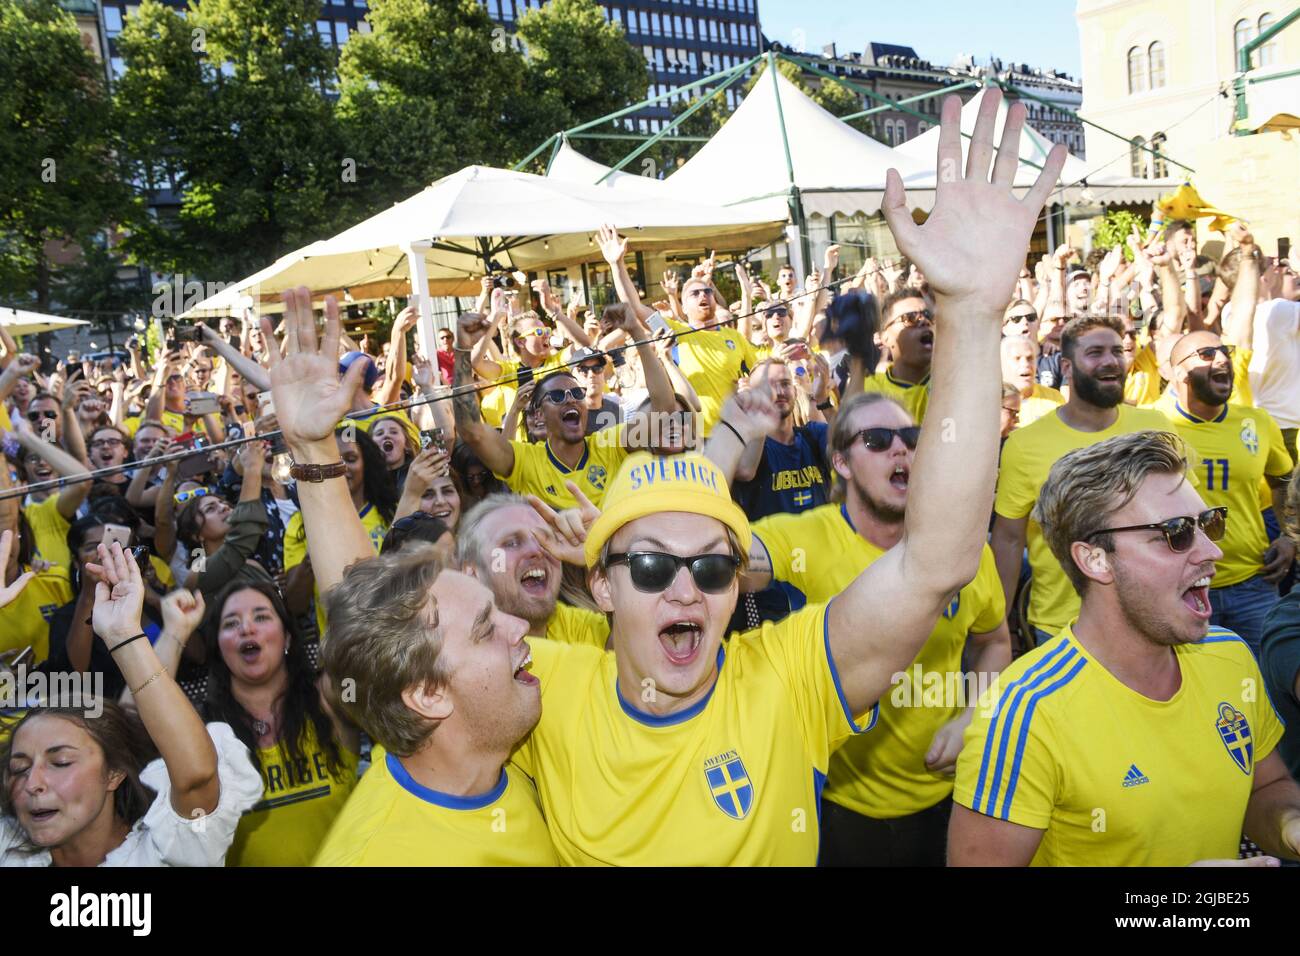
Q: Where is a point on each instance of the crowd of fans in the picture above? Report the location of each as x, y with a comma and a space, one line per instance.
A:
688, 581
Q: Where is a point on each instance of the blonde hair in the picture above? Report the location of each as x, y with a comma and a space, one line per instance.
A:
1088, 485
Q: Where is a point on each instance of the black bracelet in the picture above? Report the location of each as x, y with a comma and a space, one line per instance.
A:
825, 406
126, 642
732, 428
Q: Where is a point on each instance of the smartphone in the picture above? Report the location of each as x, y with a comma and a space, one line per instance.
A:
656, 323
119, 533
202, 403
1283, 248
196, 464
433, 436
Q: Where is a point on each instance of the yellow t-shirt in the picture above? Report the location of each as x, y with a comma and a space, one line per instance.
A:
577, 625
713, 361
25, 621
300, 801
1233, 453
1027, 457
817, 554
495, 402
49, 530
538, 472
173, 420
1114, 778
1041, 401
733, 780
391, 820
295, 549
1142, 384
915, 397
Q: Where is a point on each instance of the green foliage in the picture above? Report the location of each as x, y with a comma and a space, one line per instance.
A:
1114, 228
56, 148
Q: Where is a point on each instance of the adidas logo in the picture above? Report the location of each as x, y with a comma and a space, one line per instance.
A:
1135, 777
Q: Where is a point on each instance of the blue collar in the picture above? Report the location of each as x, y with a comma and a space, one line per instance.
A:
654, 720
844, 510
437, 797
561, 467
1199, 421
365, 511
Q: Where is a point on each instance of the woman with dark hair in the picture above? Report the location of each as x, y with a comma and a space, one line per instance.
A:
373, 494
432, 489
262, 684
390, 435
79, 788
25, 621
474, 479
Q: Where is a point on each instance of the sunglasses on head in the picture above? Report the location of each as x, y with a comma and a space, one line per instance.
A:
1208, 353
558, 396
882, 439
653, 572
37, 414
183, 496
1180, 533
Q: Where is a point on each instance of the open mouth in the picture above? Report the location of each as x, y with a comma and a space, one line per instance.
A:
899, 479
521, 674
927, 339
43, 816
249, 651
1221, 377
388, 446
1197, 598
571, 417
534, 580
681, 641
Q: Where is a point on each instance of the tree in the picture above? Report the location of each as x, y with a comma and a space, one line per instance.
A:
434, 85
59, 185
224, 104
580, 67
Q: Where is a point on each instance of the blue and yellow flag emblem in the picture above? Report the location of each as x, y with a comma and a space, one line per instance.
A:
1235, 734
730, 787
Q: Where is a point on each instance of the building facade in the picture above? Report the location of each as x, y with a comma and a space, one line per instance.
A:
1155, 72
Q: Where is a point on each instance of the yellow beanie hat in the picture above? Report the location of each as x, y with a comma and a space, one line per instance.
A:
647, 485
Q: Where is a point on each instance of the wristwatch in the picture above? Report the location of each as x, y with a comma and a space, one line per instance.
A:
317, 473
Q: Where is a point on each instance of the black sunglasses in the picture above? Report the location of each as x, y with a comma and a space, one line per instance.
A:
653, 571
918, 317
1022, 317
37, 414
882, 439
1180, 533
1208, 353
558, 396
593, 369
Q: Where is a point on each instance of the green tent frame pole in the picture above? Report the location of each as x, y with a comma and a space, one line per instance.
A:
1243, 67
794, 199
553, 138
555, 151
735, 73
1056, 106
639, 137
912, 99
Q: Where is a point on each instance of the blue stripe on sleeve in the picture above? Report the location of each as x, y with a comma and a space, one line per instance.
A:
1024, 731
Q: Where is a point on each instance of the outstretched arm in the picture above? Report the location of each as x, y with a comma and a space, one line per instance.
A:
1240, 329
492, 448
246, 367
971, 249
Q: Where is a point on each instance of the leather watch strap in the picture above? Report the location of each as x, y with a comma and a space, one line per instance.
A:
318, 473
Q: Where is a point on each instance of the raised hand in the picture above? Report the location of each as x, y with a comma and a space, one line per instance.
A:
670, 282
565, 536
182, 612
973, 244
424, 374
119, 595
547, 296
612, 246
10, 591
470, 328
310, 399
408, 317
752, 411
830, 259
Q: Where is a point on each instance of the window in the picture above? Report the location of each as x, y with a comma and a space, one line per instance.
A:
889, 132
690, 28
1137, 158
1156, 60
1159, 167
507, 10
118, 66
678, 28
112, 21
1264, 55
340, 32
1242, 33
1137, 70
645, 21
617, 14
921, 127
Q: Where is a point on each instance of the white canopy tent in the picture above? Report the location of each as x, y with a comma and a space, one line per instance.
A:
22, 322
447, 235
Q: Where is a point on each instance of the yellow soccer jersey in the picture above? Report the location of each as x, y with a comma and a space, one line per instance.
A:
300, 800
1114, 778
914, 397
713, 361
295, 549
1043, 400
391, 820
1142, 384
815, 555
1027, 457
495, 402
733, 780
538, 472
49, 530
1233, 452
173, 420
25, 621
576, 625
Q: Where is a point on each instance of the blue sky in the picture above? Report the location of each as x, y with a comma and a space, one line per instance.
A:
1042, 34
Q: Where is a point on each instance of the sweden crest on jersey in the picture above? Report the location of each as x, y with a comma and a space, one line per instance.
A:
1250, 436
1235, 734
729, 784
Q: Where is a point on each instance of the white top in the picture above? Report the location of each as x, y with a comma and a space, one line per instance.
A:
1275, 365
162, 837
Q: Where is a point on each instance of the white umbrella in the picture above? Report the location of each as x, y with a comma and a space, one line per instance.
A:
21, 322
